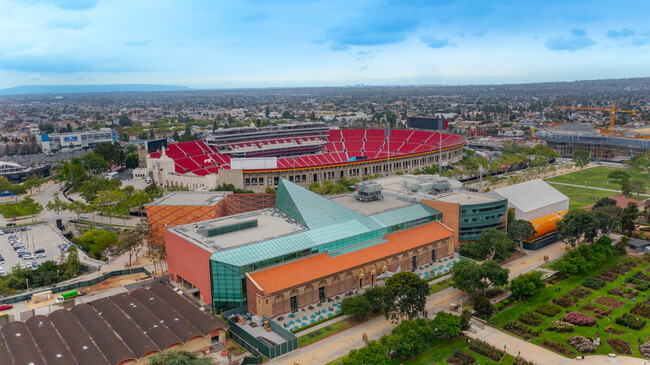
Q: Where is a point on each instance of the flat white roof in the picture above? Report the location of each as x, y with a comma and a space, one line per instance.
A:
389, 202
465, 198
192, 198
530, 195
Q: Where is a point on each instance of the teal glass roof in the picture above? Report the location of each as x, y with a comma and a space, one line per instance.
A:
326, 221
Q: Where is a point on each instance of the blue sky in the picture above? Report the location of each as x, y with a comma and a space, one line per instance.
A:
263, 43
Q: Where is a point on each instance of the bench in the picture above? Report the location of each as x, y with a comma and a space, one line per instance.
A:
611, 355
579, 357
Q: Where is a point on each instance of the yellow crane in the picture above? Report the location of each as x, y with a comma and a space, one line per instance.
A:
612, 112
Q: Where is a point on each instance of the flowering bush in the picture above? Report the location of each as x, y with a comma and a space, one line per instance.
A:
520, 361
565, 301
520, 329
582, 344
614, 331
531, 318
580, 292
559, 326
579, 319
645, 349
620, 346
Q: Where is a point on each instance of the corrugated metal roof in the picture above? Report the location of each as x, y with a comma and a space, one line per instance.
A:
52, 346
181, 327
81, 345
21, 344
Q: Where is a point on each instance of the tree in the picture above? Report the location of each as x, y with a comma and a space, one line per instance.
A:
110, 202
356, 307
56, 205
637, 186
519, 230
405, 294
628, 216
131, 161
483, 307
73, 174
152, 135
511, 215
125, 121
181, 357
626, 186
130, 243
72, 266
581, 158
605, 202
176, 137
608, 216
375, 297
111, 152
526, 285
91, 188
374, 353
469, 276
94, 163
493, 245
97, 241
576, 224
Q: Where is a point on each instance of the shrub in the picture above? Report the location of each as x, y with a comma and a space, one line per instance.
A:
579, 319
498, 306
565, 301
614, 331
639, 284
486, 350
645, 349
593, 283
483, 307
620, 346
559, 326
582, 344
630, 321
530, 318
505, 301
494, 292
548, 310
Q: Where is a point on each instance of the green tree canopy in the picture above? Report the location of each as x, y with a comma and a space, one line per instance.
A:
357, 307
576, 224
181, 357
405, 295
628, 216
374, 353
470, 276
581, 157
94, 163
519, 230
526, 285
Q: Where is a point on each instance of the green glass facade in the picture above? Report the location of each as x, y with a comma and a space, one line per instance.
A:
331, 228
477, 218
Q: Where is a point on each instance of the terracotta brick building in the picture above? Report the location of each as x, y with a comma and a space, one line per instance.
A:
286, 288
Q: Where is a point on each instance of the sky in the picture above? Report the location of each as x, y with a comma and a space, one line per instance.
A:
285, 43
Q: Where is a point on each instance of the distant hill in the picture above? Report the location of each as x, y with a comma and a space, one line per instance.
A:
77, 89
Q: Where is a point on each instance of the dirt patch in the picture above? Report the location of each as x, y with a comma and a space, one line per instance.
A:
116, 281
558, 347
609, 302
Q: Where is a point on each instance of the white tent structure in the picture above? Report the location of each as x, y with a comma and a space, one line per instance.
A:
532, 199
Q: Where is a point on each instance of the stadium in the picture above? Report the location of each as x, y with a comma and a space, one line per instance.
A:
253, 158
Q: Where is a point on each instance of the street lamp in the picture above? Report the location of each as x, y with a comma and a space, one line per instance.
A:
27, 281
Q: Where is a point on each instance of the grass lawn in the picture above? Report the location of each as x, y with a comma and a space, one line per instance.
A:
597, 177
331, 329
579, 196
439, 353
22, 208
567, 285
441, 285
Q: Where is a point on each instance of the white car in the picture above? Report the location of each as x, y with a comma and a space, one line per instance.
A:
83, 216
2, 270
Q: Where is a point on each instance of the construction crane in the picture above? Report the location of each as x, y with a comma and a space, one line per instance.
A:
612, 112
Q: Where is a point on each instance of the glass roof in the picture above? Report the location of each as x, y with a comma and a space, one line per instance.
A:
327, 222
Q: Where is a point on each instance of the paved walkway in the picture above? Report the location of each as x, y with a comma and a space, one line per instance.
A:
590, 187
540, 355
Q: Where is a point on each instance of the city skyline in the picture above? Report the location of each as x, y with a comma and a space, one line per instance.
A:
319, 43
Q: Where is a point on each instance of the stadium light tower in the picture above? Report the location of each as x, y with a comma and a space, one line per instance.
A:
388, 150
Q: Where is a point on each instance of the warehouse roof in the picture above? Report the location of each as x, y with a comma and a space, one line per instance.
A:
521, 195
466, 198
297, 272
108, 331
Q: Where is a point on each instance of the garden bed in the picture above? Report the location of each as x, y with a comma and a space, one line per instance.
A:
609, 302
596, 311
607, 276
631, 321
548, 310
620, 346
579, 319
593, 283
645, 349
531, 318
487, 350
641, 309
565, 301
583, 344
559, 348
614, 331
461, 358
624, 292
520, 330
580, 292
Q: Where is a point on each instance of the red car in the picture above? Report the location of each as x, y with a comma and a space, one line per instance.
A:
6, 306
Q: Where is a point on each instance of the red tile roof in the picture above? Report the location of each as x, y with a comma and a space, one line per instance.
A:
298, 272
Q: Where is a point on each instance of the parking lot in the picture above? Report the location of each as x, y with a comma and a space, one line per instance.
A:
41, 236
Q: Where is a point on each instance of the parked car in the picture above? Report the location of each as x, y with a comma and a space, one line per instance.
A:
6, 306
34, 264
41, 256
40, 250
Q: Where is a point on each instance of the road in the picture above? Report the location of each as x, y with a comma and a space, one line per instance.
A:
332, 348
